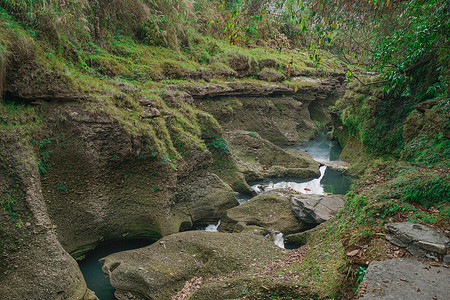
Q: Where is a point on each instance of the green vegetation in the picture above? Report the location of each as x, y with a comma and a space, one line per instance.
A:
130, 63
220, 144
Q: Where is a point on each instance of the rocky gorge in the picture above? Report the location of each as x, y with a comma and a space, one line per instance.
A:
137, 123
97, 181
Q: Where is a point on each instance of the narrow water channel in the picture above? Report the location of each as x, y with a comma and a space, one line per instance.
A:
92, 270
331, 181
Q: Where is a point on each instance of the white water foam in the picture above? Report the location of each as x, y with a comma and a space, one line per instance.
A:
213, 227
279, 240
310, 187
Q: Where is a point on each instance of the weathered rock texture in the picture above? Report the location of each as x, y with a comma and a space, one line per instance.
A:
258, 158
316, 209
404, 279
282, 114
98, 181
205, 197
33, 263
161, 270
418, 239
271, 211
104, 184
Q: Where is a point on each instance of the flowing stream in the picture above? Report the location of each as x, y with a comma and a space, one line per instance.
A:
326, 152
330, 181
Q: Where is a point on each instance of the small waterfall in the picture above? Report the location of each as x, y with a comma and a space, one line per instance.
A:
278, 240
212, 227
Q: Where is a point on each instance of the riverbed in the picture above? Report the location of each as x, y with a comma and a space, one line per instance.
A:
330, 181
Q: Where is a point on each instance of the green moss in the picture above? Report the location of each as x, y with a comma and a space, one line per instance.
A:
270, 211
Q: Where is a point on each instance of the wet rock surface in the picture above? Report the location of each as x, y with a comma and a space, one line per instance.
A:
316, 209
404, 279
418, 239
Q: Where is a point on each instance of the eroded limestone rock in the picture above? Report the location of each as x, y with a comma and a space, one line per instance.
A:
258, 158
205, 197
316, 209
270, 211
418, 239
33, 264
161, 269
404, 279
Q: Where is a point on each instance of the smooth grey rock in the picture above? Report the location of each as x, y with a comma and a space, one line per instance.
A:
316, 209
446, 258
406, 279
417, 238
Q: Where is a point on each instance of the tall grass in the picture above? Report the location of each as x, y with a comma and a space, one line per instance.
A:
168, 23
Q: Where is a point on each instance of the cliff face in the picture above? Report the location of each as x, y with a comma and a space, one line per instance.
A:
103, 136
34, 265
78, 176
281, 113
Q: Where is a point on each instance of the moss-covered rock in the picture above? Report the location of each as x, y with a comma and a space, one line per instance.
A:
205, 197
161, 270
258, 158
271, 211
299, 238
271, 75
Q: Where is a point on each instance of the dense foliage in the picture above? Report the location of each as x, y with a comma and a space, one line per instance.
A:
406, 40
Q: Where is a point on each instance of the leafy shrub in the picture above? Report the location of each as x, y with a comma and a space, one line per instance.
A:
253, 134
61, 186
43, 163
219, 144
424, 149
361, 271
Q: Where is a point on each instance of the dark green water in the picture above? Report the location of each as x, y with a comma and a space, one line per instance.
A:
92, 270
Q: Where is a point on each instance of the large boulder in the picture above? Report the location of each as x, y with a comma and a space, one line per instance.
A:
316, 209
418, 239
205, 196
258, 158
162, 269
404, 279
270, 211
